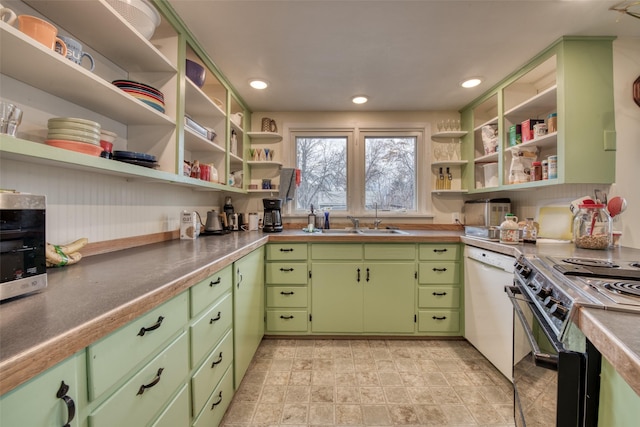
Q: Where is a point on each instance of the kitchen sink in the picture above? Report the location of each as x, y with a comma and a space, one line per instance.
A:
339, 231
379, 232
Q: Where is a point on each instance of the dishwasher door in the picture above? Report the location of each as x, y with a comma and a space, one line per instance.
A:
487, 309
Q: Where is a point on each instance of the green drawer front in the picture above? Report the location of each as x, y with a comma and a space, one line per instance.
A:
177, 413
287, 321
439, 251
439, 321
209, 374
341, 252
438, 297
441, 273
389, 251
210, 289
286, 273
286, 251
133, 405
286, 296
218, 403
208, 329
112, 357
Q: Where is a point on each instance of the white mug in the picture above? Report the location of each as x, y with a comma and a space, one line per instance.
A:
7, 15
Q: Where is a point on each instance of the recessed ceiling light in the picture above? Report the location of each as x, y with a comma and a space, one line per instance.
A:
258, 84
360, 99
473, 82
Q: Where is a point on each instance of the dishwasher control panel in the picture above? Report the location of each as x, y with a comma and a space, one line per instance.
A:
495, 259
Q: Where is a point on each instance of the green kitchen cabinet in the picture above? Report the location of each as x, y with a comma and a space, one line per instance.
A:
370, 295
573, 79
619, 404
46, 400
248, 310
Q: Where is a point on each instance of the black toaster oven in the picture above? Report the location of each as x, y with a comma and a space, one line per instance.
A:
23, 266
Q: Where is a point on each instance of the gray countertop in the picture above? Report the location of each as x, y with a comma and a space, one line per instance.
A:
93, 298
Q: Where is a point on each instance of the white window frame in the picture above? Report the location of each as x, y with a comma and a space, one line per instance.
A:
356, 156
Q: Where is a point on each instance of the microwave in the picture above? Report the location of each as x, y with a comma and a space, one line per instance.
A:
486, 212
23, 266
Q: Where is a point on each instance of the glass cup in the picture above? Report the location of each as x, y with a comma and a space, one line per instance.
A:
10, 118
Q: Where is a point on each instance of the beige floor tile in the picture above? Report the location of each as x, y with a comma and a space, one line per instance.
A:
375, 415
295, 413
273, 394
321, 414
348, 414
297, 394
403, 415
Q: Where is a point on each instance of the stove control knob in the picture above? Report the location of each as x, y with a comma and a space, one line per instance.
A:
525, 271
544, 292
560, 311
550, 302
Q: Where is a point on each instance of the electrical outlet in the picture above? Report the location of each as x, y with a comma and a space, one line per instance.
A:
455, 217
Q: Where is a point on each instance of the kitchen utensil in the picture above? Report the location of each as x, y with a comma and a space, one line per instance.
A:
196, 73
139, 13
269, 125
7, 15
80, 147
10, 118
236, 118
213, 222
75, 52
616, 206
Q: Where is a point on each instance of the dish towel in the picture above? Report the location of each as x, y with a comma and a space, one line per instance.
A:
287, 184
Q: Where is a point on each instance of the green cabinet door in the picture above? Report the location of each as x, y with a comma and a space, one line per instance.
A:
248, 309
389, 297
36, 403
336, 297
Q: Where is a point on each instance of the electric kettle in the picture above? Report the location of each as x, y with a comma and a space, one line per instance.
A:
213, 222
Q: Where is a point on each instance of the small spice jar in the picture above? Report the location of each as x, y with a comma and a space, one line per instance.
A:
592, 227
545, 169
552, 123
536, 171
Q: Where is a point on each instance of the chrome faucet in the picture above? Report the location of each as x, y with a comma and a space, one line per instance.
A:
377, 221
355, 221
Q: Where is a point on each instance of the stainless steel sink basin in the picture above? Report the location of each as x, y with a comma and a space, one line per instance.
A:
379, 232
339, 231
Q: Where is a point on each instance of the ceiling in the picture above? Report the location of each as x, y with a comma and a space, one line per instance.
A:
404, 55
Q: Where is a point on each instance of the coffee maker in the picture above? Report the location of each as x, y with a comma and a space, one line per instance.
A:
272, 220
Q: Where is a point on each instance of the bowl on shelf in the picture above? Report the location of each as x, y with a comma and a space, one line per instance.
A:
196, 73
139, 13
80, 147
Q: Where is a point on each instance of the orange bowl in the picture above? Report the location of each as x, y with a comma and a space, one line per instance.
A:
79, 147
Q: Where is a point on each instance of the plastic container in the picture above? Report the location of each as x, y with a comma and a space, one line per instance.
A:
592, 227
545, 169
490, 174
536, 171
553, 167
509, 231
552, 123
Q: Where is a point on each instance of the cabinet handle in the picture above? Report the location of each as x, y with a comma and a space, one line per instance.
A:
215, 319
156, 380
286, 249
367, 274
439, 250
439, 294
286, 269
151, 328
217, 282
218, 402
286, 317
358, 275
439, 269
286, 293
217, 362
439, 318
240, 276
71, 406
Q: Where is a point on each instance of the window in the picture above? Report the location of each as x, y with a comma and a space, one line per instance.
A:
357, 171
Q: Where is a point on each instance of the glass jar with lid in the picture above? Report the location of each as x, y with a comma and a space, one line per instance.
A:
592, 227
509, 231
529, 232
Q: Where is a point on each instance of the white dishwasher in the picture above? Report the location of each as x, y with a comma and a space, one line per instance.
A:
488, 311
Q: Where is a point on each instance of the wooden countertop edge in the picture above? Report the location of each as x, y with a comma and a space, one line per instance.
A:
615, 351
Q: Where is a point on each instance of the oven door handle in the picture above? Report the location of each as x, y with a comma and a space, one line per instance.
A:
540, 358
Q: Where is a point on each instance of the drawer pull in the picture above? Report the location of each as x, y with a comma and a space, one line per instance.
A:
143, 387
439, 294
286, 270
218, 402
367, 274
286, 249
216, 282
286, 317
215, 319
439, 318
358, 275
217, 362
152, 327
286, 293
439, 250
439, 269
71, 406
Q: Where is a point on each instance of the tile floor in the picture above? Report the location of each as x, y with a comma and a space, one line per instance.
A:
370, 382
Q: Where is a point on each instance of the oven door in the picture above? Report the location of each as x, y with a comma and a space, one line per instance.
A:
548, 381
